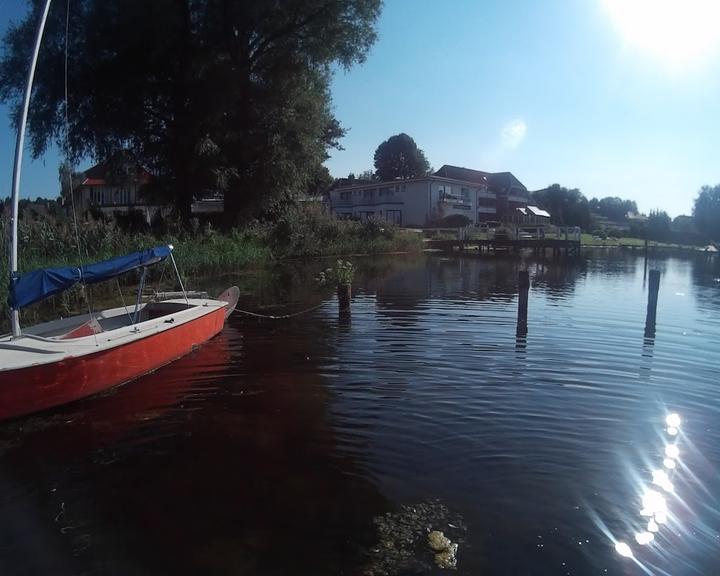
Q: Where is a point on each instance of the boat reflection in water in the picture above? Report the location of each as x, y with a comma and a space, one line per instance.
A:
123, 412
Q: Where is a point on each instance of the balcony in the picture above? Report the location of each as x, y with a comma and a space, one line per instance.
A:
452, 199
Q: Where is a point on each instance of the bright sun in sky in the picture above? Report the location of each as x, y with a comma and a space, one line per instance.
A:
681, 34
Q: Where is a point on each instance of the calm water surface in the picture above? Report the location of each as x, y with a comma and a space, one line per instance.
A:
272, 449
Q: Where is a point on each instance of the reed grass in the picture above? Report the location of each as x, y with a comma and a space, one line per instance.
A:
299, 232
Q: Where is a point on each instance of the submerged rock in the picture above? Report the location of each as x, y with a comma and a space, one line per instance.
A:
413, 540
448, 557
438, 541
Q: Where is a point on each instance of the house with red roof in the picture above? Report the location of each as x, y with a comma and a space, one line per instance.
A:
114, 187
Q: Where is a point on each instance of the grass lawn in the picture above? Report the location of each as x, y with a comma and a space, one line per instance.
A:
589, 240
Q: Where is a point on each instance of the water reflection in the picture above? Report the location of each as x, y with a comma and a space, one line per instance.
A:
224, 462
277, 460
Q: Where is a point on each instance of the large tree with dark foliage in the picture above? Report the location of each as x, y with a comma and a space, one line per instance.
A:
706, 211
400, 157
208, 94
658, 225
613, 208
567, 206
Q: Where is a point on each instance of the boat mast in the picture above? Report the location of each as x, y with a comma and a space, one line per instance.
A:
14, 316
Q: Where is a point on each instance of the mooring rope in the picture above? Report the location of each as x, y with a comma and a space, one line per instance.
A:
279, 317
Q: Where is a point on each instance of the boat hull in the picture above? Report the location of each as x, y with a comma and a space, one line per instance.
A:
35, 388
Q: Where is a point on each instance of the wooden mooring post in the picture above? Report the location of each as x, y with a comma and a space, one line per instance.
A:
523, 287
344, 292
653, 290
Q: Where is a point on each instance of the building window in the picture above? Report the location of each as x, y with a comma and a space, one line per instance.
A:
446, 191
369, 193
464, 192
386, 191
394, 217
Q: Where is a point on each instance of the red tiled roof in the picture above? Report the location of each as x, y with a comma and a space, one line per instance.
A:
93, 182
97, 175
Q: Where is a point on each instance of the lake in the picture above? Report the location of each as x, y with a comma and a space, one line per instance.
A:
328, 443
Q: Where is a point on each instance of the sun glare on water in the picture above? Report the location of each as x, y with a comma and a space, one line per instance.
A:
681, 34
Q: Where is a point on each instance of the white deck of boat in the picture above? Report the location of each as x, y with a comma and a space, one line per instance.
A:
41, 344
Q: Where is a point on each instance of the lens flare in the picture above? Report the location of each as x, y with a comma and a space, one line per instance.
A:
652, 526
669, 463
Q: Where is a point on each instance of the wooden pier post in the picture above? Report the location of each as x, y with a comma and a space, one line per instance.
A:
344, 291
653, 289
523, 288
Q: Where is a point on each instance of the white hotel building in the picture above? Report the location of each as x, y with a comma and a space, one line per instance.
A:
480, 196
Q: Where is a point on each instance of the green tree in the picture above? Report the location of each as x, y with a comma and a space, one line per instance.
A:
612, 207
400, 157
208, 94
683, 224
567, 206
706, 211
320, 182
658, 225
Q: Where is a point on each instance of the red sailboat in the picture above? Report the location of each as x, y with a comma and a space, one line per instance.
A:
60, 361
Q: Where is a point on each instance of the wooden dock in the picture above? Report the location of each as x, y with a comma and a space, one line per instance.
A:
540, 246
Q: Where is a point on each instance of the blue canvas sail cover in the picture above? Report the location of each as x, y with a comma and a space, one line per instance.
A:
40, 284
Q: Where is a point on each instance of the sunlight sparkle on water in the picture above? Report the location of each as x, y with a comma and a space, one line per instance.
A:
660, 478
653, 502
673, 420
672, 451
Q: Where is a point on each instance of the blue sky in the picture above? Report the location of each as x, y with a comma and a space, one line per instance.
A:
615, 97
